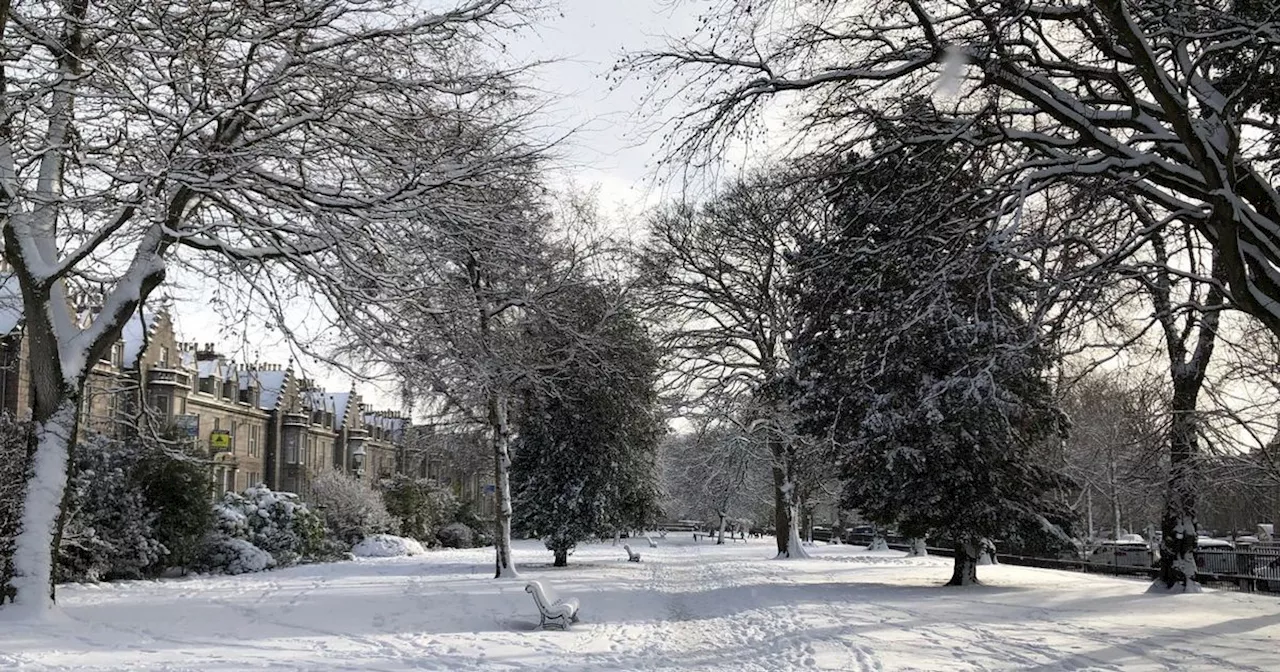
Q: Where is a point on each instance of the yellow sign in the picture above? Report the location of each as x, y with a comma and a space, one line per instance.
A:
220, 439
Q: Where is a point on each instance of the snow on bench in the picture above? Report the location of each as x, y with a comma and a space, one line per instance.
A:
552, 609
631, 555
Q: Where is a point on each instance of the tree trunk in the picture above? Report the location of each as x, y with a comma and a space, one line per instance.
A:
1178, 524
720, 536
562, 557
54, 410
44, 506
782, 528
503, 564
806, 521
786, 502
965, 570
794, 548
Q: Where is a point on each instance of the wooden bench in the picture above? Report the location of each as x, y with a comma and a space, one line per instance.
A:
552, 609
631, 555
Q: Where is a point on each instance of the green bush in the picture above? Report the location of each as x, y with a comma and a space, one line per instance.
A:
276, 522
111, 528
352, 509
176, 486
420, 505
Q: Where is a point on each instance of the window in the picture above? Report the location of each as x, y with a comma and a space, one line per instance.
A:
164, 356
117, 355
217, 424
254, 479
291, 448
253, 441
160, 404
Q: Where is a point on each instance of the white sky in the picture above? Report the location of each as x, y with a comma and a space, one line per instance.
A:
608, 151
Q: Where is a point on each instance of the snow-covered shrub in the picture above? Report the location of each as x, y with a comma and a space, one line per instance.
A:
230, 555
351, 508
176, 487
276, 522
110, 530
455, 535
481, 530
420, 505
387, 546
13, 460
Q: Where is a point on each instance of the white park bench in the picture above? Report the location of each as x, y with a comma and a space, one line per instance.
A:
553, 610
632, 556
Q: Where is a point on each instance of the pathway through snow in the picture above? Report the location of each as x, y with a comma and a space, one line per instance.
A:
686, 607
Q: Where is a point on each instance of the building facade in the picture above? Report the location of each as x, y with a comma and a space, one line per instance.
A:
254, 423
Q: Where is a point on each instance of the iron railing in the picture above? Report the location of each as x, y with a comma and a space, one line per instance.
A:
1247, 568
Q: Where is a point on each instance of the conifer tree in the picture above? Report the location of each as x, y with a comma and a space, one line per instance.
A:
915, 358
584, 463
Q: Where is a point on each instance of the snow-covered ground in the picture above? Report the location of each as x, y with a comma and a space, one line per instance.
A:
685, 607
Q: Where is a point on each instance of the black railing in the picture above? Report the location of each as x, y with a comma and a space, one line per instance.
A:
1247, 569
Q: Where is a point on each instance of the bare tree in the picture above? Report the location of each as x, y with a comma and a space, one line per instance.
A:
456, 301
222, 135
1175, 100
1184, 285
1115, 447
718, 470
716, 275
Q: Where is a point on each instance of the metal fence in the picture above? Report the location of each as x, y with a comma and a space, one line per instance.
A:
1247, 568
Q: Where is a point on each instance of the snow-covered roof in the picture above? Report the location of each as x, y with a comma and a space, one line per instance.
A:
270, 386
317, 400
137, 333
339, 401
10, 305
215, 368
384, 422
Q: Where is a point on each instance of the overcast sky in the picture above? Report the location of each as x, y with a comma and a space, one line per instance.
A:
607, 150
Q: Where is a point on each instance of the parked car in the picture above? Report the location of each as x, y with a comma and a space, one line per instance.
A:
1215, 556
1265, 559
1130, 550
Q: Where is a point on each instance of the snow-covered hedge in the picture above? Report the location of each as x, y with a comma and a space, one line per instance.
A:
110, 531
13, 459
456, 535
229, 555
387, 546
352, 509
276, 522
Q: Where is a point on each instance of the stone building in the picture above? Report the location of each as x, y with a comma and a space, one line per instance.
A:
256, 423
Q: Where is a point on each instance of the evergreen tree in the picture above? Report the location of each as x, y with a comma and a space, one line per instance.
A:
111, 531
585, 458
915, 358
176, 484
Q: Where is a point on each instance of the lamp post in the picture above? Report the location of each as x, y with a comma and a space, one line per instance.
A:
357, 460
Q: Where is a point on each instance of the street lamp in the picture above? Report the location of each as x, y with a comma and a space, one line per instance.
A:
357, 460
